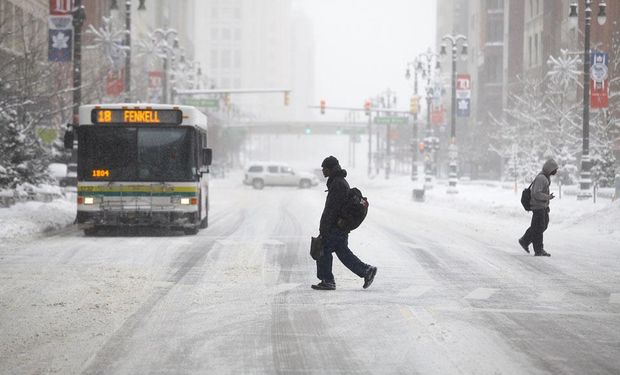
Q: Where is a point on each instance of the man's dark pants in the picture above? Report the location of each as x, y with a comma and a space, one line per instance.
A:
337, 241
534, 234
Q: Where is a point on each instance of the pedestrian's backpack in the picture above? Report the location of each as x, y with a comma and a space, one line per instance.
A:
526, 197
353, 211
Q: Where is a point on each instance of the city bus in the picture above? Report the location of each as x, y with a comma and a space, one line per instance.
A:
141, 165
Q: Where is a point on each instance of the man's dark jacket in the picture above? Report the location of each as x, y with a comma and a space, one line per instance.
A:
337, 191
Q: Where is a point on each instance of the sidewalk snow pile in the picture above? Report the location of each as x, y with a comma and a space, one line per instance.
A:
24, 219
493, 200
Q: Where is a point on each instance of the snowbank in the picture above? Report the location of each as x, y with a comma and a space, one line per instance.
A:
32, 217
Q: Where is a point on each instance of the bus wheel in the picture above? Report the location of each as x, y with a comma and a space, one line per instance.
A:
304, 184
258, 183
190, 231
205, 220
90, 232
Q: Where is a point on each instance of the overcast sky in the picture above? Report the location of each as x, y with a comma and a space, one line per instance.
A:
362, 46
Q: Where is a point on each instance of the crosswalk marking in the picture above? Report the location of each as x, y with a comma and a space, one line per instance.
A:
481, 293
551, 296
614, 298
415, 290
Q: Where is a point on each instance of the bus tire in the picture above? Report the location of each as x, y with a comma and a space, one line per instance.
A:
304, 184
89, 232
258, 184
190, 231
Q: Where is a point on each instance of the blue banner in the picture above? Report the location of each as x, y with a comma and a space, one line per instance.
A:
463, 107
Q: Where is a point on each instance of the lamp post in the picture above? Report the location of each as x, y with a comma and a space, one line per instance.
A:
128, 43
416, 64
453, 41
585, 180
423, 65
166, 42
386, 99
79, 15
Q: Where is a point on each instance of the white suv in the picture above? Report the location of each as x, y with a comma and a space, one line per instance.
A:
262, 174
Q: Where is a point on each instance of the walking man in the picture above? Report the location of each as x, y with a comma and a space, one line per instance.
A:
540, 209
334, 238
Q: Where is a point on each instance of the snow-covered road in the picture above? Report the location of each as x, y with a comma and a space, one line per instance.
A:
454, 293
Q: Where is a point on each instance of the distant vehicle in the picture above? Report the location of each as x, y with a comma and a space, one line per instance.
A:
141, 165
260, 174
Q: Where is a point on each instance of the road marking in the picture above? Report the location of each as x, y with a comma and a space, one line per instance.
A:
551, 296
614, 298
481, 293
415, 290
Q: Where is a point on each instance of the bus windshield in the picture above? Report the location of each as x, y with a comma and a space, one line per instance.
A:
135, 154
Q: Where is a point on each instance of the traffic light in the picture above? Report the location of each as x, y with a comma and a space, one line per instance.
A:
339, 131
367, 107
286, 98
322, 106
421, 146
414, 105
308, 130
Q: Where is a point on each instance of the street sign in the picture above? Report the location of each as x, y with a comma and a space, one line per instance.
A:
384, 120
60, 38
202, 103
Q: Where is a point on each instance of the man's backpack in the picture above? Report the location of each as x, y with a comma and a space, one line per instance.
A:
353, 211
526, 197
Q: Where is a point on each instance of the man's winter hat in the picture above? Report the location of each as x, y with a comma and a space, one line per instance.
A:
550, 166
330, 162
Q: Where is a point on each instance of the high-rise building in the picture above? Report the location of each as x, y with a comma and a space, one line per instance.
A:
254, 44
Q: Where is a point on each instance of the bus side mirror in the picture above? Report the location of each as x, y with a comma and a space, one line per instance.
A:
207, 155
68, 140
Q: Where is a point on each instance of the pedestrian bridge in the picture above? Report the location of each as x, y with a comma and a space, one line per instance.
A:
299, 127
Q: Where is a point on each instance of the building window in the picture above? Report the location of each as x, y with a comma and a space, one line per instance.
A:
226, 34
225, 59
536, 49
215, 34
237, 34
529, 50
237, 58
531, 8
214, 59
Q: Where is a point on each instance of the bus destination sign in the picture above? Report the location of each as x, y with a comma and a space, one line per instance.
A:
137, 116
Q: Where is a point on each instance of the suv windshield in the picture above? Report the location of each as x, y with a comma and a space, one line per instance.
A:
135, 154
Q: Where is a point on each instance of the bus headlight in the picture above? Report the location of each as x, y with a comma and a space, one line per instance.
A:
184, 200
89, 200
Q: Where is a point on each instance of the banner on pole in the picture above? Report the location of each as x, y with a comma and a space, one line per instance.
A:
463, 95
599, 80
61, 7
437, 115
60, 38
115, 83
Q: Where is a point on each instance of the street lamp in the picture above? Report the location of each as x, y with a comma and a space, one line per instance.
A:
114, 5
166, 43
423, 64
585, 180
387, 99
453, 41
79, 15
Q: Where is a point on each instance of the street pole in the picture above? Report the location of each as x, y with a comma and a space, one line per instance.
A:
414, 146
78, 21
453, 41
428, 180
369, 143
585, 181
128, 44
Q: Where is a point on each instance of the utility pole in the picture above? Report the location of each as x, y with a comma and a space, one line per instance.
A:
78, 20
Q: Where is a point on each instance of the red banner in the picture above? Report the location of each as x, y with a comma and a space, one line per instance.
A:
61, 7
115, 83
437, 115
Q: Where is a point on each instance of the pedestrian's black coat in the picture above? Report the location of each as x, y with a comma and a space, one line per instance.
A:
337, 191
